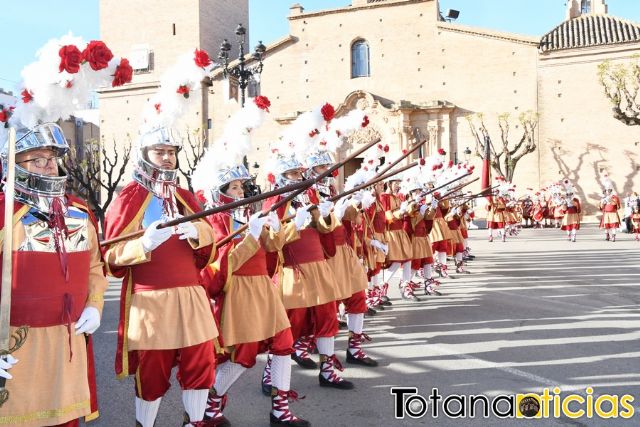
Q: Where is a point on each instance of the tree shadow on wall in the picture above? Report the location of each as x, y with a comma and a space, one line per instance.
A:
564, 170
628, 179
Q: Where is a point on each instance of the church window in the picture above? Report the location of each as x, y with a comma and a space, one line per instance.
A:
586, 6
360, 59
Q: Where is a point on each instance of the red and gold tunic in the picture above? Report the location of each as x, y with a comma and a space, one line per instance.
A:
54, 380
496, 217
306, 279
610, 217
396, 236
163, 304
420, 245
571, 218
249, 304
374, 224
440, 231
457, 241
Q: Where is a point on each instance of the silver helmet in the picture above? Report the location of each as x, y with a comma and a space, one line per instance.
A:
31, 188
153, 178
284, 165
224, 176
320, 158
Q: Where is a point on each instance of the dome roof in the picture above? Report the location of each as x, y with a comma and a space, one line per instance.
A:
590, 30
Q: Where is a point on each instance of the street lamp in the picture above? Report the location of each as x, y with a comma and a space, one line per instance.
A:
242, 72
467, 154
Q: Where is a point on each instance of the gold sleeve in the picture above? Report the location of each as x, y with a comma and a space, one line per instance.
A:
205, 235
272, 241
324, 225
291, 234
243, 251
351, 213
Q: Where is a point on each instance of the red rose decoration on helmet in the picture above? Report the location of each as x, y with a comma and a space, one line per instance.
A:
97, 54
201, 58
70, 58
404, 152
158, 107
386, 149
183, 90
4, 115
328, 112
262, 102
441, 151
123, 74
271, 178
335, 173
365, 121
27, 97
450, 163
422, 162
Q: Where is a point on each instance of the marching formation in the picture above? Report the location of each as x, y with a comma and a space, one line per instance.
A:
212, 279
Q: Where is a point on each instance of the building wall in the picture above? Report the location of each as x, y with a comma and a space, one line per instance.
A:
579, 138
198, 23
414, 58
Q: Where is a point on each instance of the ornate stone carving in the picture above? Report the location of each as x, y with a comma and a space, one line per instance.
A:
362, 104
364, 136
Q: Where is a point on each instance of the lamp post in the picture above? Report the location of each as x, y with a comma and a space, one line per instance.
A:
467, 154
242, 72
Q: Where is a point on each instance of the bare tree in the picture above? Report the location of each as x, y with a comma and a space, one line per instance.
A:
621, 84
95, 168
194, 145
505, 158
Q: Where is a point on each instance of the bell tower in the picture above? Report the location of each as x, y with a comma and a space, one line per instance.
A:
576, 8
152, 34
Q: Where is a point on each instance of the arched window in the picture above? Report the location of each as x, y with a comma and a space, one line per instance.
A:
360, 59
586, 6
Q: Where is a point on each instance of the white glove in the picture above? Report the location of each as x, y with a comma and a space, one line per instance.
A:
256, 223
6, 363
325, 208
302, 215
88, 322
154, 237
434, 204
423, 209
384, 248
340, 208
367, 199
376, 244
403, 207
273, 221
187, 230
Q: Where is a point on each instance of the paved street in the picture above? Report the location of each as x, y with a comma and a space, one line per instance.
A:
537, 311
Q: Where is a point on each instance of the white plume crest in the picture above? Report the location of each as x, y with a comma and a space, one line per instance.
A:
229, 150
50, 92
180, 88
359, 177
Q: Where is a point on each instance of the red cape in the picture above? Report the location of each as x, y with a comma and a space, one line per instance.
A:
125, 213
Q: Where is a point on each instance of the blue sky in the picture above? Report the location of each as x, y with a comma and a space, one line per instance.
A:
29, 24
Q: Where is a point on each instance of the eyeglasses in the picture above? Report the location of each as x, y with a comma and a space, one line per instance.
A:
41, 162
